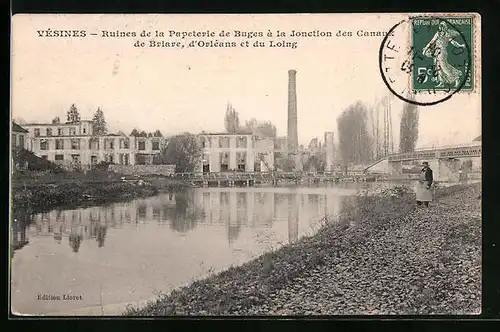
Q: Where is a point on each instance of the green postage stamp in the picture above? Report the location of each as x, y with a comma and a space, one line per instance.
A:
443, 56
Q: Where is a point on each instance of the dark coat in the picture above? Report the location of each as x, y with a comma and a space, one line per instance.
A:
428, 175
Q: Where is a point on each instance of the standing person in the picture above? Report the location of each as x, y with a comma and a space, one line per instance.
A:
424, 193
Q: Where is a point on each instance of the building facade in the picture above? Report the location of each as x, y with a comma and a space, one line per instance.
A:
329, 151
74, 144
19, 136
223, 152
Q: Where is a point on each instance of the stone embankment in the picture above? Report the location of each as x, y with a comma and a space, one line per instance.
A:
383, 256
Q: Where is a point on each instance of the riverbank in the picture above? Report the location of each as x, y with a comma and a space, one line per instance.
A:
383, 256
70, 190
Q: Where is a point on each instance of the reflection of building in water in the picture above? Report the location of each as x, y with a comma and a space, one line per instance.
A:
237, 208
182, 211
18, 227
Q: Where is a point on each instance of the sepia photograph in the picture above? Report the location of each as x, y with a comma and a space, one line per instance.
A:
209, 165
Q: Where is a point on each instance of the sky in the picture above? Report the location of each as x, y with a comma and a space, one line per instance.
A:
177, 90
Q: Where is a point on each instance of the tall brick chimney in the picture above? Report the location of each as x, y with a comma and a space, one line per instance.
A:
292, 113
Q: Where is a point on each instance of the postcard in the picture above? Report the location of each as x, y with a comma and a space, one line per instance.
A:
245, 164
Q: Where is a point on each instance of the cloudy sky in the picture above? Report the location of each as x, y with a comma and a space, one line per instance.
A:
187, 89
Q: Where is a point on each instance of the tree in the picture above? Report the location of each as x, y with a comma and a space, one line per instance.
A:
73, 116
264, 129
134, 133
408, 130
251, 125
231, 120
157, 133
56, 120
20, 121
354, 140
184, 151
99, 126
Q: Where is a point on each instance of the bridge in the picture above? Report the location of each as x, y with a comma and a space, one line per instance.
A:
444, 160
224, 179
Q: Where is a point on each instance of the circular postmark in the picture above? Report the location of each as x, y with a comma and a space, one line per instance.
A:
425, 60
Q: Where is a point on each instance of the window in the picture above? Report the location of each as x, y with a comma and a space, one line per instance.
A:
242, 142
21, 141
75, 157
84, 130
224, 165
142, 145
60, 131
224, 142
205, 143
59, 157
59, 144
37, 132
75, 144
14, 140
49, 132
72, 131
215, 141
241, 158
140, 159
109, 144
44, 144
94, 144
156, 145
93, 160
124, 159
124, 143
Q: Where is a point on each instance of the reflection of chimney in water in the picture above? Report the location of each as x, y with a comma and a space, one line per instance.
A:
293, 218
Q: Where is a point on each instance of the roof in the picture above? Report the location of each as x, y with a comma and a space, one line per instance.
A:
17, 128
56, 124
478, 139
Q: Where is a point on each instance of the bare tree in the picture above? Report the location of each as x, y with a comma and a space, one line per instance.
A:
231, 120
260, 128
355, 143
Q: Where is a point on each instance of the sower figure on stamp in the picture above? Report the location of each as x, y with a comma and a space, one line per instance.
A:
424, 193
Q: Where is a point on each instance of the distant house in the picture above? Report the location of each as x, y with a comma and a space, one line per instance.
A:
19, 135
478, 139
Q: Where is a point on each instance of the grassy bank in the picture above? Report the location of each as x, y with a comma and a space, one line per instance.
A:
383, 256
45, 191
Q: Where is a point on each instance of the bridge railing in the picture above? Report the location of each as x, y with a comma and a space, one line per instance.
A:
221, 176
450, 151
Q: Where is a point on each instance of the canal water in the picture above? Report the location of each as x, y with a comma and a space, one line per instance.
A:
94, 261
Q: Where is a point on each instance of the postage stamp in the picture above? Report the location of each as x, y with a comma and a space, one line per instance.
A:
446, 47
426, 59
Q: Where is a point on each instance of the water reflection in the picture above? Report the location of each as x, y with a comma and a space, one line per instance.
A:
20, 222
182, 211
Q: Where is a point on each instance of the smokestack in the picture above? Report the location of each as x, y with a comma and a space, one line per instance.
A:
292, 113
